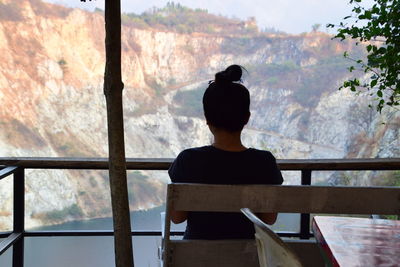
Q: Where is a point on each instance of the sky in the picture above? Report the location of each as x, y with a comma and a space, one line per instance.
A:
291, 16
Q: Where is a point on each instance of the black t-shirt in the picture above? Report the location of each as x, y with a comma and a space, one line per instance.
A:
210, 165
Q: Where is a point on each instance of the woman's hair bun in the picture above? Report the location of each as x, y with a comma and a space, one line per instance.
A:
232, 74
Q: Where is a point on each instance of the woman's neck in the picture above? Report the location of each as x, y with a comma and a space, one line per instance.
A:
229, 141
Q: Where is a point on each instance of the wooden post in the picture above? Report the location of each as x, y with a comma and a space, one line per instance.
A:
113, 87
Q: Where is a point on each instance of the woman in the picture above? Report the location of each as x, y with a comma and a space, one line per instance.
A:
226, 105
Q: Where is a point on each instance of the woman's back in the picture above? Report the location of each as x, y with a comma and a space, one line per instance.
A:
210, 165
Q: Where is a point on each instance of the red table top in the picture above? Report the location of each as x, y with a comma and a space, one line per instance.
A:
357, 241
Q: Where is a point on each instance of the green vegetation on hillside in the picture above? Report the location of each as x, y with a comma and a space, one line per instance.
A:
308, 82
262, 73
308, 71
317, 78
389, 178
244, 44
54, 216
178, 18
143, 188
189, 102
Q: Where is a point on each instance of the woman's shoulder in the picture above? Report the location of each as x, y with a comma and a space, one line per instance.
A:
261, 153
194, 151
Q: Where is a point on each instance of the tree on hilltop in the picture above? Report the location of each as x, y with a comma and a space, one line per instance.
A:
378, 28
315, 27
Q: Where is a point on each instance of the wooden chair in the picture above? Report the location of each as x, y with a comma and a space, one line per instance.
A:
263, 198
272, 251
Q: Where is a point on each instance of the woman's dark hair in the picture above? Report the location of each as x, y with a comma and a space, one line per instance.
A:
226, 103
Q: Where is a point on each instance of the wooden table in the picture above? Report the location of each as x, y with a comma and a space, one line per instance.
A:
350, 241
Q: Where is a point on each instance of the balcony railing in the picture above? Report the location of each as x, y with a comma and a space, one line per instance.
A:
17, 166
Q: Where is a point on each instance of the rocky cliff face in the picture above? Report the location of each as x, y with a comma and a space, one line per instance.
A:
51, 73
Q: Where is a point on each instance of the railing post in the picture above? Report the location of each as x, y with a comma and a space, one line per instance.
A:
305, 217
19, 216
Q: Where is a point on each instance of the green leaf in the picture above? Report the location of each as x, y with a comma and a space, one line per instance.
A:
375, 9
340, 35
381, 50
377, 28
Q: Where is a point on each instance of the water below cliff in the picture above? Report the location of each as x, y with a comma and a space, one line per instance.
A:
99, 251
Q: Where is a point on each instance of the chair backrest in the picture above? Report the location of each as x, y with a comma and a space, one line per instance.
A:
275, 198
272, 251
288, 198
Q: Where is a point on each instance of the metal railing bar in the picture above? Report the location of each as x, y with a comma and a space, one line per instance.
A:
19, 216
110, 233
7, 171
94, 233
19, 201
86, 163
9, 241
5, 234
16, 166
18, 252
69, 233
164, 163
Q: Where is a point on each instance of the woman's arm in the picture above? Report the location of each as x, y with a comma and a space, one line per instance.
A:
268, 218
177, 173
178, 216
